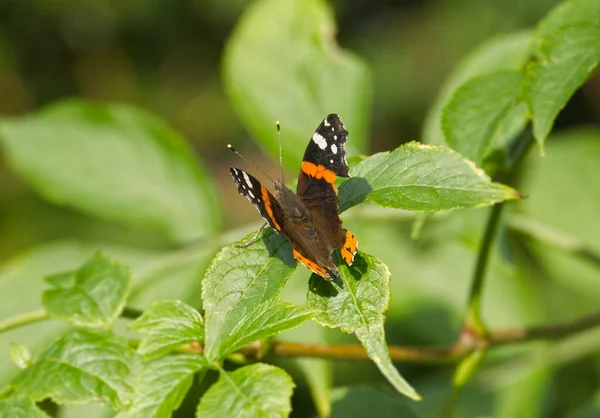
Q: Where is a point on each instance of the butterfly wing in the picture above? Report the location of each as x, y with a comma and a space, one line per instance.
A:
260, 197
324, 159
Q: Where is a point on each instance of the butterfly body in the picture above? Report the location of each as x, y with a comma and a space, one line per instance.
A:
309, 218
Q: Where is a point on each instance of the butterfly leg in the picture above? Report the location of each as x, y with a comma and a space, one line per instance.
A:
254, 238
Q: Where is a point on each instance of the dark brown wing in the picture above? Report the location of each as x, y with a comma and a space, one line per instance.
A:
324, 159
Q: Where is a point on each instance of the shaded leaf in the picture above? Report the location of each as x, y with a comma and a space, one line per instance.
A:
81, 366
269, 318
161, 385
238, 280
422, 178
20, 355
166, 325
281, 64
366, 401
508, 52
258, 390
568, 57
92, 296
359, 307
123, 165
478, 109
19, 406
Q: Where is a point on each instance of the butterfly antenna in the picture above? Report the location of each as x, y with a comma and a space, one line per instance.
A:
250, 163
280, 151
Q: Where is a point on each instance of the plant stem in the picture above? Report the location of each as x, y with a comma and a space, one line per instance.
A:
474, 319
24, 319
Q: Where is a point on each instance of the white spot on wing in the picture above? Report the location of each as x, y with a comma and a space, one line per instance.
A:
248, 182
335, 137
334, 148
331, 161
251, 194
319, 140
326, 122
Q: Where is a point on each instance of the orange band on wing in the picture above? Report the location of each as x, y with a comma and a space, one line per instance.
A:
318, 172
265, 196
349, 248
311, 265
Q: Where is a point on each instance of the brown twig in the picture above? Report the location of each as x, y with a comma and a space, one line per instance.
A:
468, 342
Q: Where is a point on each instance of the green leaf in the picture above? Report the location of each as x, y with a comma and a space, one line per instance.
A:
508, 52
366, 401
567, 13
568, 58
161, 385
122, 164
259, 390
477, 110
166, 325
422, 178
19, 406
81, 366
282, 64
268, 318
238, 280
92, 296
359, 307
20, 355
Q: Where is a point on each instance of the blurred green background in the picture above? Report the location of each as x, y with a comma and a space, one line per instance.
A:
165, 56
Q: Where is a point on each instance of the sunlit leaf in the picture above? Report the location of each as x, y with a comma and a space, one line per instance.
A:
269, 318
20, 355
237, 281
161, 385
166, 325
359, 307
258, 390
422, 178
81, 366
19, 406
92, 296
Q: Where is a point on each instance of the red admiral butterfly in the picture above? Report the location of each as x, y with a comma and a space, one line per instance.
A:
309, 218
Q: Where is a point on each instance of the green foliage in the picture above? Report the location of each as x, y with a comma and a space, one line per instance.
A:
567, 58
364, 401
477, 111
358, 306
117, 163
162, 383
239, 280
20, 355
259, 390
422, 178
80, 366
166, 325
130, 167
266, 83
19, 406
93, 296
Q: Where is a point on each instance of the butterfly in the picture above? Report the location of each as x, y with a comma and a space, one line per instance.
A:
309, 218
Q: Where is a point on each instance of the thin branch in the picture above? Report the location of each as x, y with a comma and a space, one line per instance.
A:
443, 354
24, 319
